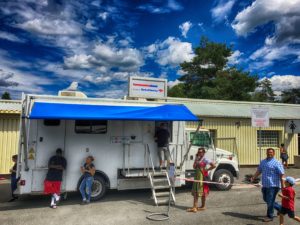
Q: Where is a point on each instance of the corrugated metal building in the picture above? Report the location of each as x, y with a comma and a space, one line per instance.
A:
230, 124
9, 132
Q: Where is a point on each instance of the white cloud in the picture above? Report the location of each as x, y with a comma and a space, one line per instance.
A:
6, 79
89, 25
10, 37
171, 52
46, 26
221, 11
19, 80
284, 82
166, 6
185, 27
99, 79
263, 11
114, 76
180, 72
77, 61
174, 5
111, 93
51, 23
282, 43
235, 58
126, 59
105, 57
268, 54
103, 15
173, 83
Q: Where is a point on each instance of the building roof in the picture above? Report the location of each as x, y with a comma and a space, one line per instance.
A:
218, 108
204, 108
10, 107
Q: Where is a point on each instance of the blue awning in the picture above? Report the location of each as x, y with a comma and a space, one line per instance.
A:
43, 110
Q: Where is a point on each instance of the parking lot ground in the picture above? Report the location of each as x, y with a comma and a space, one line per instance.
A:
234, 207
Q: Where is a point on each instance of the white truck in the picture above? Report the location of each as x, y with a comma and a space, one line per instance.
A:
227, 166
118, 133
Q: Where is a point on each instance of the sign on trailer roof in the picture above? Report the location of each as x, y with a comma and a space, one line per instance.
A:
143, 87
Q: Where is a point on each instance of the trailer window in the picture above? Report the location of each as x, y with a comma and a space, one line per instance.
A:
202, 139
91, 126
51, 122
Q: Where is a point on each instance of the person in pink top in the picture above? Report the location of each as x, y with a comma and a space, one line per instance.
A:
288, 201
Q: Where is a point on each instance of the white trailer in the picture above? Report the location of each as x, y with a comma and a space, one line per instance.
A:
118, 133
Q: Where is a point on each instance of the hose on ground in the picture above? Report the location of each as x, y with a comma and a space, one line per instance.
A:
163, 215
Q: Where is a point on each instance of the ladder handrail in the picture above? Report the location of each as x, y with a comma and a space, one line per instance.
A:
150, 159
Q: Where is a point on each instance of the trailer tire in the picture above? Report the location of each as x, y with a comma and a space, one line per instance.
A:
99, 188
223, 176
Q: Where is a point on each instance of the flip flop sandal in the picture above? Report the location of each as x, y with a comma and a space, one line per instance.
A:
192, 210
201, 208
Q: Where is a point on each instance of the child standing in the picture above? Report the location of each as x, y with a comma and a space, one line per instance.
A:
284, 156
88, 170
288, 201
13, 178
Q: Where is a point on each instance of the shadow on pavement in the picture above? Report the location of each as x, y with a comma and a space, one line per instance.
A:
243, 216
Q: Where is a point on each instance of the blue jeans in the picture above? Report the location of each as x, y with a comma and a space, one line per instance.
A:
86, 188
269, 196
13, 184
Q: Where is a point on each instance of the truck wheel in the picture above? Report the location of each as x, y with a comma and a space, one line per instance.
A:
225, 178
99, 188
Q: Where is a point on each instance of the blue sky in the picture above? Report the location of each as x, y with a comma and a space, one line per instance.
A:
45, 46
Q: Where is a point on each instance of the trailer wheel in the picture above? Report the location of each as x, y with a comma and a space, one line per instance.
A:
225, 178
99, 188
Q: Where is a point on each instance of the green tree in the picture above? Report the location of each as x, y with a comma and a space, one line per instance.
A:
177, 91
234, 84
208, 76
291, 96
6, 96
265, 92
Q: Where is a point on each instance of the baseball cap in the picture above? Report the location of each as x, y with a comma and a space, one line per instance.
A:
290, 180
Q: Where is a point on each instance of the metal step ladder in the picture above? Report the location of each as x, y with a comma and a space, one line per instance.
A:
161, 187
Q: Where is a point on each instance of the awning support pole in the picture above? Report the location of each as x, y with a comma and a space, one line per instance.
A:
24, 142
23, 132
190, 146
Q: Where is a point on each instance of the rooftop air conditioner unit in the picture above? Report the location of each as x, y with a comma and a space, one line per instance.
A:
77, 94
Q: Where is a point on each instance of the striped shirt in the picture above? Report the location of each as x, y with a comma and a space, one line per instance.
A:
271, 170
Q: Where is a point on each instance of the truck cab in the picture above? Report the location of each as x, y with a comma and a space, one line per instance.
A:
227, 167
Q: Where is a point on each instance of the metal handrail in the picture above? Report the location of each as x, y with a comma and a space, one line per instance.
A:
150, 159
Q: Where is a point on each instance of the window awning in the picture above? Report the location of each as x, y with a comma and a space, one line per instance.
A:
46, 110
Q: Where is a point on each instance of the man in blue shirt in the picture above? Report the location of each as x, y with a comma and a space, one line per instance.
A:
272, 173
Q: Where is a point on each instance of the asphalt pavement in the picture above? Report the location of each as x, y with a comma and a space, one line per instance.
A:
237, 206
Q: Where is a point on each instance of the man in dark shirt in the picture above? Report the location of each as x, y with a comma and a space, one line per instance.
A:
13, 178
57, 164
162, 137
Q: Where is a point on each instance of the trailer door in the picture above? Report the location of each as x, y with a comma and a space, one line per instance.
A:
50, 136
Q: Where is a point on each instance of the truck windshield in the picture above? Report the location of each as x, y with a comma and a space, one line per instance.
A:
201, 139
